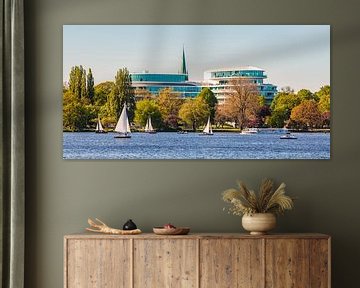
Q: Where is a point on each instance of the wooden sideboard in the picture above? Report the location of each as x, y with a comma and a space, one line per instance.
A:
197, 260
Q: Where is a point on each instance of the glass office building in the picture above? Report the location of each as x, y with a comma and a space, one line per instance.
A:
218, 81
155, 82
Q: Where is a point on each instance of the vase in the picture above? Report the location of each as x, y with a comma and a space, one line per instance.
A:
259, 223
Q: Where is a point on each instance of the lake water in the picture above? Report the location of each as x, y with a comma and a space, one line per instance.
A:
166, 145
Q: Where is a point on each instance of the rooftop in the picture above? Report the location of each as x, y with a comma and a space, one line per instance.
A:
240, 68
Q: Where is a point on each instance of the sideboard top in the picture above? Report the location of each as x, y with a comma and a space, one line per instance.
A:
87, 235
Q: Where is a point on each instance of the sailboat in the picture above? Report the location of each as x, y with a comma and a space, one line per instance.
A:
207, 130
122, 126
99, 128
148, 127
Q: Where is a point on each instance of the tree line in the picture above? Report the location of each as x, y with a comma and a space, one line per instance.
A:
83, 103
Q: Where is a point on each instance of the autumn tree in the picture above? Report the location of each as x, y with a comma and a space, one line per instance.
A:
194, 112
242, 103
169, 104
222, 115
209, 97
306, 115
147, 108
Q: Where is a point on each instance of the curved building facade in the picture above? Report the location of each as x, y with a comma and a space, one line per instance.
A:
218, 81
154, 82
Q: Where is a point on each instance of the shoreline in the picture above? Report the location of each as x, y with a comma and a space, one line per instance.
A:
270, 130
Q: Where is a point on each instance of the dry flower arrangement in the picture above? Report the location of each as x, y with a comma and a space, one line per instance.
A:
247, 202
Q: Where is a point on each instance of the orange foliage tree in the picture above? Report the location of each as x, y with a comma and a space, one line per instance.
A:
306, 115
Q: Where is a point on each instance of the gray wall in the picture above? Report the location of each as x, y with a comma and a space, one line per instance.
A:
62, 194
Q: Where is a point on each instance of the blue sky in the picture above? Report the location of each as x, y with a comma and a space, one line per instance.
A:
292, 55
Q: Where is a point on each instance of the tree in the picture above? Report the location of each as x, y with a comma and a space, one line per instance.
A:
102, 93
141, 94
278, 118
285, 101
281, 107
324, 91
209, 97
76, 114
147, 108
324, 99
90, 86
169, 105
262, 114
305, 94
222, 115
77, 81
194, 112
324, 103
307, 115
242, 103
122, 93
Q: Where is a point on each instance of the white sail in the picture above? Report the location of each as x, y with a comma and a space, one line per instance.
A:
99, 127
150, 125
122, 125
147, 125
208, 129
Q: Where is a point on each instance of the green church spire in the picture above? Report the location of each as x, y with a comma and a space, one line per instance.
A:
183, 64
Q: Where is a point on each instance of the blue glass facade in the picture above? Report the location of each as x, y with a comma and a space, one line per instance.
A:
156, 82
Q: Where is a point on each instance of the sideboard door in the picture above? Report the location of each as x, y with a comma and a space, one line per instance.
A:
169, 263
287, 263
100, 263
231, 263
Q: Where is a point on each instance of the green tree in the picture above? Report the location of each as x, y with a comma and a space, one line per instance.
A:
147, 108
122, 93
194, 112
324, 91
305, 94
102, 93
324, 99
209, 97
90, 86
169, 104
307, 115
324, 103
281, 107
278, 118
77, 81
76, 114
285, 101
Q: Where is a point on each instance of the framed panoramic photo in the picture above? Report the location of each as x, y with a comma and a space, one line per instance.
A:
196, 92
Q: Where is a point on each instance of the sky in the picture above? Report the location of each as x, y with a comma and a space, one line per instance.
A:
292, 55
